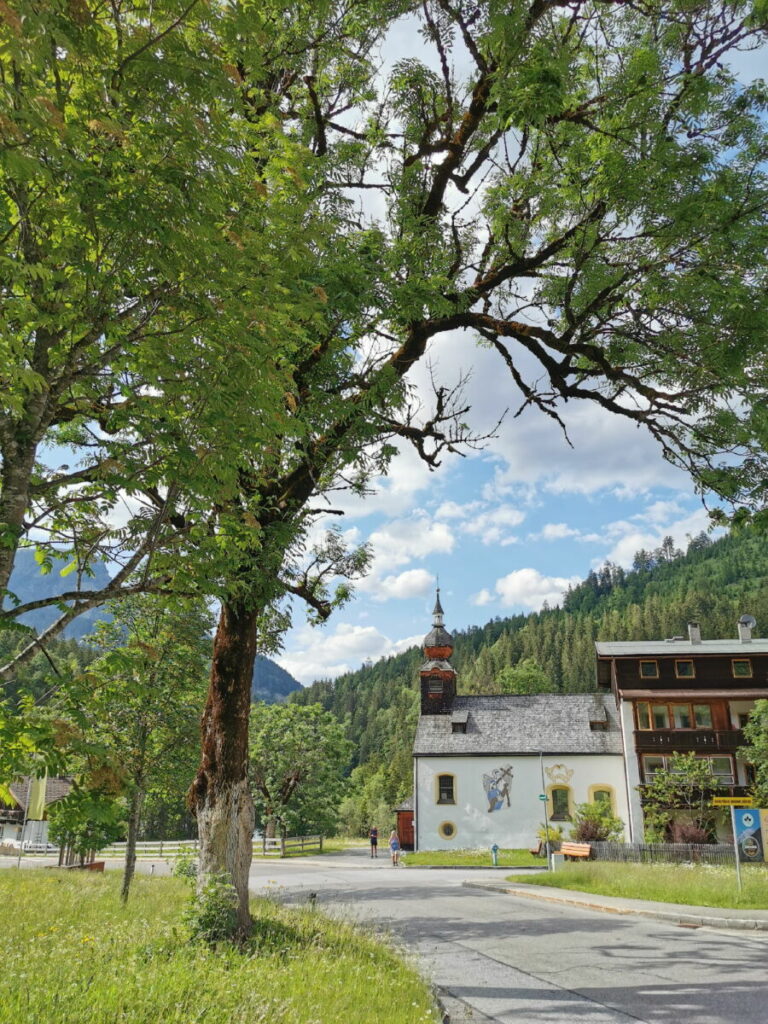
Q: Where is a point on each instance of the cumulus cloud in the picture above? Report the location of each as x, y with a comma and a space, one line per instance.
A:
401, 540
493, 526
481, 598
411, 583
452, 510
555, 531
527, 588
316, 654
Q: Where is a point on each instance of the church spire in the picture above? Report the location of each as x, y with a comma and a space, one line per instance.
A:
437, 611
438, 678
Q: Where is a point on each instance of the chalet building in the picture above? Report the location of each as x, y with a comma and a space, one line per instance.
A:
684, 695
16, 821
488, 768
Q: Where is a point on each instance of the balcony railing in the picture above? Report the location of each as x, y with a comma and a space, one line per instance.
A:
682, 741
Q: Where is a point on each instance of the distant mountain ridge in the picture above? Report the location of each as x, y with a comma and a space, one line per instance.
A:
271, 683
28, 583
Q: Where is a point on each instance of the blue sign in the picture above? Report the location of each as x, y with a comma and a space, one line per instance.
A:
749, 837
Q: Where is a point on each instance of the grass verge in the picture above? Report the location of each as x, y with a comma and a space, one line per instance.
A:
472, 858
72, 955
700, 885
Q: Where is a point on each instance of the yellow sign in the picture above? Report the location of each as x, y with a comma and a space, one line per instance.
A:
732, 801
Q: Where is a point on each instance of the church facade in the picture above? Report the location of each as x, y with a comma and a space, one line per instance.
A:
488, 769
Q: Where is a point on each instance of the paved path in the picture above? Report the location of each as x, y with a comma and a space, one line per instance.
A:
499, 958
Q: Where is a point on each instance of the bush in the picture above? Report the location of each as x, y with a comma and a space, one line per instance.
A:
689, 832
185, 866
596, 823
212, 915
555, 833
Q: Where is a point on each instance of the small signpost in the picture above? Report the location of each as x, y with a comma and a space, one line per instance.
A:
748, 825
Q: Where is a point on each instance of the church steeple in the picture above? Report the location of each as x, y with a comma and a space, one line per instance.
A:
438, 678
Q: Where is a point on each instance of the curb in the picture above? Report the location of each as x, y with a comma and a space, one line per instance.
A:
675, 916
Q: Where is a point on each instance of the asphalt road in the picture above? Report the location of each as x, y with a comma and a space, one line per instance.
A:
501, 958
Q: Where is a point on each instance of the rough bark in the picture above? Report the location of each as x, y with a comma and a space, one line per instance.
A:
220, 795
134, 819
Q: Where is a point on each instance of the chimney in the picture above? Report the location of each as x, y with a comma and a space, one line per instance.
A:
745, 625
694, 632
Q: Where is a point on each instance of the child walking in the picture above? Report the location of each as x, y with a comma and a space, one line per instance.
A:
394, 848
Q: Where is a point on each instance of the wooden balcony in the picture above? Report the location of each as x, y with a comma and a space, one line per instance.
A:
683, 741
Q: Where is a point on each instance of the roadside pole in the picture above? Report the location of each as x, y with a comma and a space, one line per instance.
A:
735, 846
543, 798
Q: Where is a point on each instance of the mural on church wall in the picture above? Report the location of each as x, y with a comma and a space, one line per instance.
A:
496, 786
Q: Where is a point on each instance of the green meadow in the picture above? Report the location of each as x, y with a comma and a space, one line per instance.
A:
72, 954
699, 885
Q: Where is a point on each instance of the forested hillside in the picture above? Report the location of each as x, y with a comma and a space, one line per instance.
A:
713, 582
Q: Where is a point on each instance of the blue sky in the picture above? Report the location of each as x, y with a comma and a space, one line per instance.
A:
504, 529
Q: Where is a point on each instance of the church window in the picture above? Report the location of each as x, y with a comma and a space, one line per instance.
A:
560, 796
446, 789
435, 686
601, 794
446, 830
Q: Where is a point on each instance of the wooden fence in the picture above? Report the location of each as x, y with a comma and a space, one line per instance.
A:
282, 846
665, 853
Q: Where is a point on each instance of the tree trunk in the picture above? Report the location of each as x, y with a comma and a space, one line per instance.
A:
134, 819
220, 795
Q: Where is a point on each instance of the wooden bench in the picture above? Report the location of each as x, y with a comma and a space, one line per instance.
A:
94, 865
576, 851
537, 851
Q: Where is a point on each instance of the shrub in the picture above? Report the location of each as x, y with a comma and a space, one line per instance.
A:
689, 832
212, 915
555, 833
596, 823
185, 865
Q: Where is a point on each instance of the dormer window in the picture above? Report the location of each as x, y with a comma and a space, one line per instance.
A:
685, 670
458, 726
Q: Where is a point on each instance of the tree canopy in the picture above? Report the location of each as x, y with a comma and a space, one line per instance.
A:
231, 232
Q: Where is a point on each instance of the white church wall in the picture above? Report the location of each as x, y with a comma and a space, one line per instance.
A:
497, 797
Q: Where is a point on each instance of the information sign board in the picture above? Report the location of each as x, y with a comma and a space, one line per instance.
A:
731, 801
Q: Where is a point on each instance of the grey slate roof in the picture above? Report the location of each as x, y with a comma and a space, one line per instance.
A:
674, 648
549, 723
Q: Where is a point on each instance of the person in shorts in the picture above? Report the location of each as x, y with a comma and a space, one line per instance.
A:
394, 848
373, 835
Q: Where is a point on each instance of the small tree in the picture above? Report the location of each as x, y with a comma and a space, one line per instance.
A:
680, 795
596, 823
298, 759
84, 822
756, 734
525, 677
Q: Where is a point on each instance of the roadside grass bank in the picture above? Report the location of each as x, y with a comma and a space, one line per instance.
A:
329, 846
699, 885
72, 954
472, 858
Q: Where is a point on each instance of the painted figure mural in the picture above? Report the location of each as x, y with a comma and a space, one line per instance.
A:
496, 786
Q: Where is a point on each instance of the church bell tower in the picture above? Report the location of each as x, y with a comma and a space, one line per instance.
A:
437, 675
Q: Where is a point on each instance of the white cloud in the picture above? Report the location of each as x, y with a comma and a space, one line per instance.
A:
492, 527
411, 583
482, 598
452, 510
527, 588
317, 654
401, 540
555, 531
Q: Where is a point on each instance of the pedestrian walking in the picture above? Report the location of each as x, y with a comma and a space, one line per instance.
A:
373, 835
394, 848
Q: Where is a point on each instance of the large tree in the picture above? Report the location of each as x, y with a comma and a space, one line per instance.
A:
578, 185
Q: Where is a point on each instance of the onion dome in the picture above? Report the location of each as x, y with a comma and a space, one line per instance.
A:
438, 637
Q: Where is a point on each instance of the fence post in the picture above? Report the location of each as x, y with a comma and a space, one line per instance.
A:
321, 844
161, 847
282, 846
